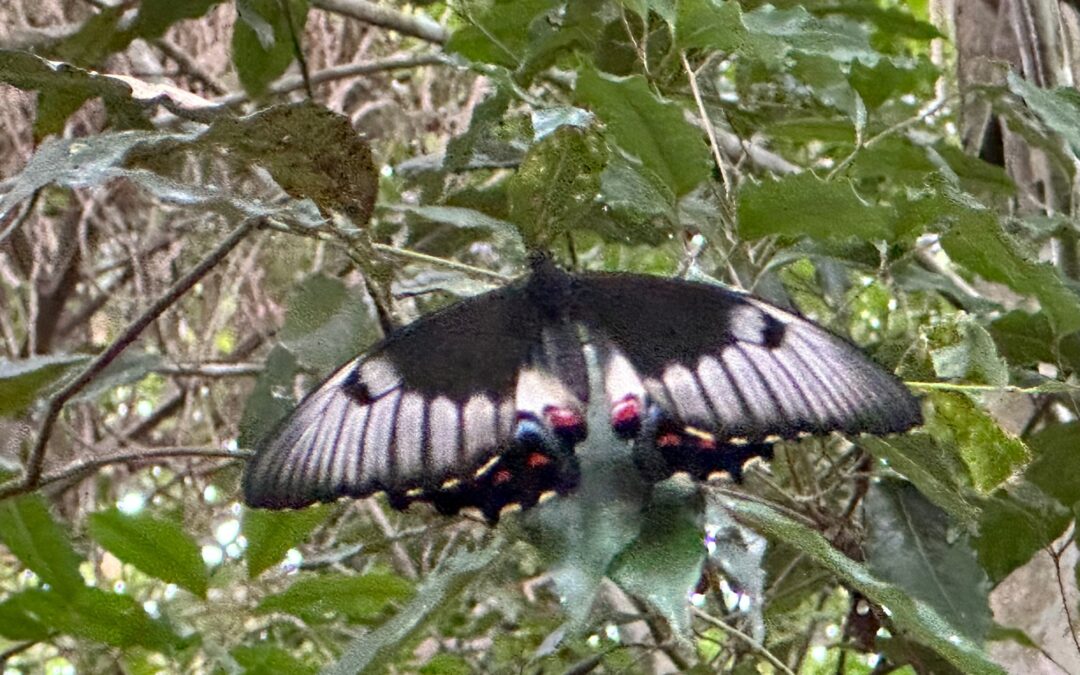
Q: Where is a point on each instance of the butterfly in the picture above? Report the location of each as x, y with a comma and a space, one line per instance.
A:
482, 403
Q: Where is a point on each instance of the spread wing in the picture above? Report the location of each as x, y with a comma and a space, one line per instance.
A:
713, 376
449, 409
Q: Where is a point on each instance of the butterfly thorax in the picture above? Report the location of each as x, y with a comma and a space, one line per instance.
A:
548, 288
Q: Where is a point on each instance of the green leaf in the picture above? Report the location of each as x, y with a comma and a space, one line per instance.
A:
719, 26
27, 380
909, 544
1017, 522
270, 659
647, 127
130, 367
494, 138
803, 205
40, 543
374, 649
827, 82
93, 160
327, 323
889, 79
90, 614
113, 619
311, 151
271, 399
504, 235
580, 547
663, 565
323, 598
97, 37
991, 454
1055, 470
155, 17
938, 473
22, 618
499, 31
446, 664
554, 189
919, 620
1058, 108
637, 201
893, 21
157, 547
1026, 339
270, 534
111, 30
262, 44
962, 349
977, 242
834, 37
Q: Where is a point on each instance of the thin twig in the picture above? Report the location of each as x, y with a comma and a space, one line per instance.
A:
18, 222
85, 466
210, 369
1012, 388
1055, 556
751, 642
707, 123
102, 360
440, 262
899, 126
294, 82
418, 25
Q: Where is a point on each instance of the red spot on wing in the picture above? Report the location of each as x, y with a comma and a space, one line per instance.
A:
565, 422
626, 415
668, 440
501, 477
537, 460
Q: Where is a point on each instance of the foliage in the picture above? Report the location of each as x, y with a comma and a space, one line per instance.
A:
806, 152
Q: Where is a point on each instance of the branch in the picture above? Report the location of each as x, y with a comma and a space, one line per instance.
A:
84, 466
210, 369
294, 82
754, 645
102, 360
419, 26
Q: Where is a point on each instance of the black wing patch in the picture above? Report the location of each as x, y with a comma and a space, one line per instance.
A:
709, 378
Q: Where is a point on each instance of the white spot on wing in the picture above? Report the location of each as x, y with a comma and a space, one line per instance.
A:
380, 375
380, 429
688, 398
621, 379
444, 433
409, 441
721, 392
478, 420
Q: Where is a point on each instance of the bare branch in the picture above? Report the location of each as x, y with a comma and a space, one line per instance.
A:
58, 400
419, 26
83, 467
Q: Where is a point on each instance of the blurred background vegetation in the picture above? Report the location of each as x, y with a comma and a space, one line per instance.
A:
205, 206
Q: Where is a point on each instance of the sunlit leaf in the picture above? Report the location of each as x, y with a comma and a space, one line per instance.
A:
40, 543
270, 534
156, 546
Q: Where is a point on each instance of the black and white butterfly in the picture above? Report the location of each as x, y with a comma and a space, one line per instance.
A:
481, 404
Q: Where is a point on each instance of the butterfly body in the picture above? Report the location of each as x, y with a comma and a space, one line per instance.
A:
483, 403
